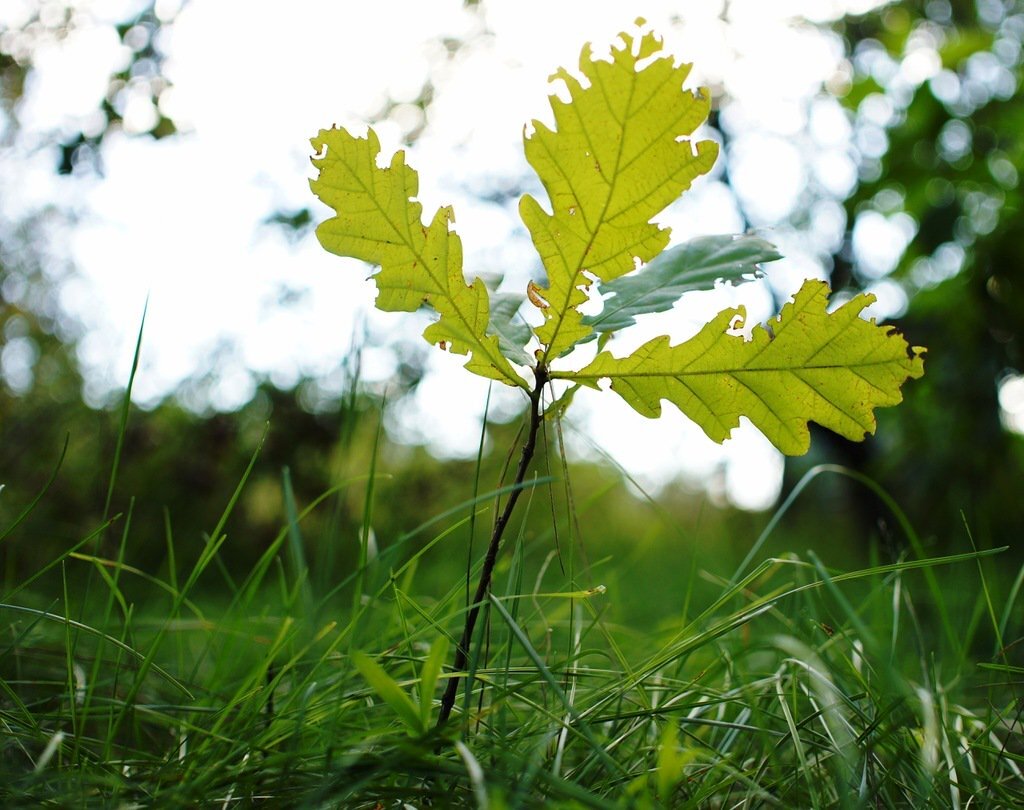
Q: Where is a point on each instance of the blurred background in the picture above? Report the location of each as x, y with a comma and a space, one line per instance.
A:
160, 151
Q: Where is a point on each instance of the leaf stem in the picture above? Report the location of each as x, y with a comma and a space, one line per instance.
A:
529, 446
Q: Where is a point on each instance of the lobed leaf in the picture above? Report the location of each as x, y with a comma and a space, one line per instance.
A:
379, 220
695, 265
616, 158
831, 368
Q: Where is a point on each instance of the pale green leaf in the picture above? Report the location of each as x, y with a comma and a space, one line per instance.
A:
379, 221
695, 265
556, 410
830, 368
617, 157
512, 331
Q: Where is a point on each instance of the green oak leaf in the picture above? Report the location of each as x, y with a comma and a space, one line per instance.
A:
812, 365
379, 220
617, 157
695, 265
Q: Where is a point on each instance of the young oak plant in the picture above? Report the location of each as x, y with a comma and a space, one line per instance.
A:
619, 154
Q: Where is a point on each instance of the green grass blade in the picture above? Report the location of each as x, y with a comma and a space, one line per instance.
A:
126, 405
390, 692
580, 726
429, 675
39, 496
296, 547
72, 623
362, 567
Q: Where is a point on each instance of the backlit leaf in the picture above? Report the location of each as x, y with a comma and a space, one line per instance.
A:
617, 157
695, 265
379, 220
831, 368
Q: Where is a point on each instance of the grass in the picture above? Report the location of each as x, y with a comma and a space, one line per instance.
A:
783, 691
792, 685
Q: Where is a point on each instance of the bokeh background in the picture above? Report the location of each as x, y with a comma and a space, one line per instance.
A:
159, 152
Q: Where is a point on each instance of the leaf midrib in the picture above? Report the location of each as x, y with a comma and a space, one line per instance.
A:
580, 375
574, 276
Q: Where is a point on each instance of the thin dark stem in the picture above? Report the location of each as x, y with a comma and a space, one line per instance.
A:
462, 651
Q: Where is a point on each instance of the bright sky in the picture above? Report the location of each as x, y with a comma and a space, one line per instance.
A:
178, 220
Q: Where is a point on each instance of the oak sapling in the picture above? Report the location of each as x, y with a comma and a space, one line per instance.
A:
621, 151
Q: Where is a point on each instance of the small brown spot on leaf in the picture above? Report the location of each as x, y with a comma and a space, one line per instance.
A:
533, 293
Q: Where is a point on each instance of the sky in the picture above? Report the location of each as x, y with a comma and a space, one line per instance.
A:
177, 222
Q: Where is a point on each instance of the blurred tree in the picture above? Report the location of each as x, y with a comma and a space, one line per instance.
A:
174, 459
40, 382
29, 27
939, 121
37, 340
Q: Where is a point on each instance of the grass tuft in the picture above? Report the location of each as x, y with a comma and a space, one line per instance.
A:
792, 685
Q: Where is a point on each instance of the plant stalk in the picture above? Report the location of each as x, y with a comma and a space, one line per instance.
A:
529, 446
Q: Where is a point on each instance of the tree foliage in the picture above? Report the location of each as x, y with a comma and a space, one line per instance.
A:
620, 152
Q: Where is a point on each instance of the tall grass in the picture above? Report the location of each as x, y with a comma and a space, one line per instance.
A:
794, 686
